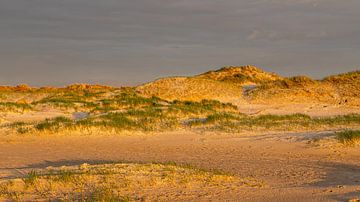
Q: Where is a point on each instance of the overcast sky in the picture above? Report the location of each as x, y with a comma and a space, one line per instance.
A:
125, 42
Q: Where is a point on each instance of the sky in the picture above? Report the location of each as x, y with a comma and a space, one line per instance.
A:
128, 42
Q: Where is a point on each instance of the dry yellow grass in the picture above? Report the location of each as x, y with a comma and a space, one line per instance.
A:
228, 84
348, 86
342, 89
193, 89
121, 182
241, 75
296, 90
224, 85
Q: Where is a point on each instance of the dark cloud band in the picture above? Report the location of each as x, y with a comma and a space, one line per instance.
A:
131, 41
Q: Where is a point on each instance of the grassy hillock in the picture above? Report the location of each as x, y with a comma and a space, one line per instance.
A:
296, 122
120, 182
185, 116
299, 89
123, 110
224, 85
35, 98
348, 86
207, 101
241, 75
191, 89
343, 89
228, 84
14, 107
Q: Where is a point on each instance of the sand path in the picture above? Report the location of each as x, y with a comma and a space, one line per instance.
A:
291, 168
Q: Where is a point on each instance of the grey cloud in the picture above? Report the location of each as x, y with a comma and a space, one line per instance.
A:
296, 35
132, 41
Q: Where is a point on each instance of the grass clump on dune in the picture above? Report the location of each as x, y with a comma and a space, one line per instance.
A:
66, 100
349, 137
120, 182
239, 122
126, 100
161, 119
198, 108
124, 109
53, 124
144, 119
134, 100
233, 122
14, 107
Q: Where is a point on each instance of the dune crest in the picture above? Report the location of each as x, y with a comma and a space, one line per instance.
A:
251, 85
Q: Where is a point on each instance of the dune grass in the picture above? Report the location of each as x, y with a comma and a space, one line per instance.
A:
66, 100
14, 107
120, 182
349, 137
232, 122
124, 109
53, 124
162, 119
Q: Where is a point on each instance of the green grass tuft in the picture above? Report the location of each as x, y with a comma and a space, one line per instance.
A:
53, 124
349, 137
14, 107
30, 178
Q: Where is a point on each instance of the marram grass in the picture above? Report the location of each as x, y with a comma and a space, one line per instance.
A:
349, 137
120, 182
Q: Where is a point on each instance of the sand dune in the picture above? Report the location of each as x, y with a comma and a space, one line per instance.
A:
234, 134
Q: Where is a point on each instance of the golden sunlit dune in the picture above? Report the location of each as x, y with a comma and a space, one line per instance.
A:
237, 133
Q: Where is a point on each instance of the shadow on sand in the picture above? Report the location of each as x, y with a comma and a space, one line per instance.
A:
337, 175
340, 176
16, 172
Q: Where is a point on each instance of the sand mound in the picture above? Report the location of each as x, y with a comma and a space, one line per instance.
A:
347, 86
342, 89
299, 89
87, 87
224, 85
192, 89
345, 77
18, 88
241, 75
238, 85
229, 84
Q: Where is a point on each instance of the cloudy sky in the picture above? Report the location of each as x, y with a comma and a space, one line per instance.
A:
125, 42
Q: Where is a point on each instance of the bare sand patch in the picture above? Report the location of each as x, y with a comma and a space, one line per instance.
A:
292, 169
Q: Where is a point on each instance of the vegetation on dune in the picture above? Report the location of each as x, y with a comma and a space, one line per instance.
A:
128, 111
204, 106
345, 77
164, 119
239, 122
74, 96
191, 89
133, 110
53, 124
241, 75
125, 100
348, 86
119, 182
297, 81
14, 107
337, 89
224, 85
349, 137
21, 88
292, 83
67, 100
